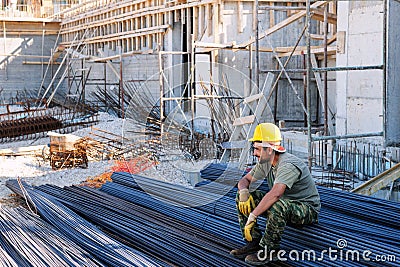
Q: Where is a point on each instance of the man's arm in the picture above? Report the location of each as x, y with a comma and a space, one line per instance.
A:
270, 198
245, 182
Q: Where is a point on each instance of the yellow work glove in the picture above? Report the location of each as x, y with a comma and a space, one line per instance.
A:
246, 202
251, 222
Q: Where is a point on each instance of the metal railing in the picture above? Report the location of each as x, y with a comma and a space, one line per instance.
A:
346, 164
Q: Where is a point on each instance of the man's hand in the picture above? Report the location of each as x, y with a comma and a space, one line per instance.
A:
251, 222
246, 202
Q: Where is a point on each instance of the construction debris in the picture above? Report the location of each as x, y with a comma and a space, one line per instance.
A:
67, 151
97, 181
133, 166
23, 151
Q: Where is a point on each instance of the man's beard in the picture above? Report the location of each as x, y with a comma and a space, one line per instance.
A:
262, 161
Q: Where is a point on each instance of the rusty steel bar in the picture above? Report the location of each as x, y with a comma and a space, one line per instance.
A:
32, 124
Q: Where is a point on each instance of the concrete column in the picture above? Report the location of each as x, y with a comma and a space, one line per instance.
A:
393, 79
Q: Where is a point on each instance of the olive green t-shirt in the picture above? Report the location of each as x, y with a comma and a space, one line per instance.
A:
294, 173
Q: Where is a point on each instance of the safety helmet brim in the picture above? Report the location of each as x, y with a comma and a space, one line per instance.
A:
277, 147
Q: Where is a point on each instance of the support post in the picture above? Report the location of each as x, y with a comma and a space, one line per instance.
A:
326, 110
121, 87
257, 61
161, 92
308, 82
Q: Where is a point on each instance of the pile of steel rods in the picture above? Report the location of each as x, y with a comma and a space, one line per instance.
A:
29, 241
217, 225
365, 222
80, 231
175, 194
170, 223
214, 171
161, 235
340, 219
32, 124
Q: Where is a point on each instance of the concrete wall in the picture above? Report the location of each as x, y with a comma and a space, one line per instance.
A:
17, 76
360, 93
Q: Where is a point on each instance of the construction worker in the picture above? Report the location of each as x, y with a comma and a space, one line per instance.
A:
292, 199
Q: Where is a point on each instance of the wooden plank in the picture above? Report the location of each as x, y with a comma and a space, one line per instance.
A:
341, 42
244, 120
39, 63
378, 182
195, 23
271, 15
283, 24
289, 12
321, 91
317, 36
201, 22
252, 98
254, 17
220, 12
331, 51
319, 15
209, 20
216, 22
239, 16
20, 151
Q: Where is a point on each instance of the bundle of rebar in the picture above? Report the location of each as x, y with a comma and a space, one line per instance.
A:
353, 216
137, 103
175, 194
134, 207
226, 229
339, 221
105, 249
26, 240
30, 124
170, 239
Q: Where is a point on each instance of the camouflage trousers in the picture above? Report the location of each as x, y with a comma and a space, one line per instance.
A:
281, 213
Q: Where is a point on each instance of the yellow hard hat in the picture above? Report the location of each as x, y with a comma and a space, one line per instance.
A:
268, 135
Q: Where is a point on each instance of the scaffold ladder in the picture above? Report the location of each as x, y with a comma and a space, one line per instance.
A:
243, 126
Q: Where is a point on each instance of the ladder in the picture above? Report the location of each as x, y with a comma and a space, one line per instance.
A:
243, 127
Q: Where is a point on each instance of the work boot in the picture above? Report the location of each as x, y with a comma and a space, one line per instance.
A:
242, 252
259, 259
